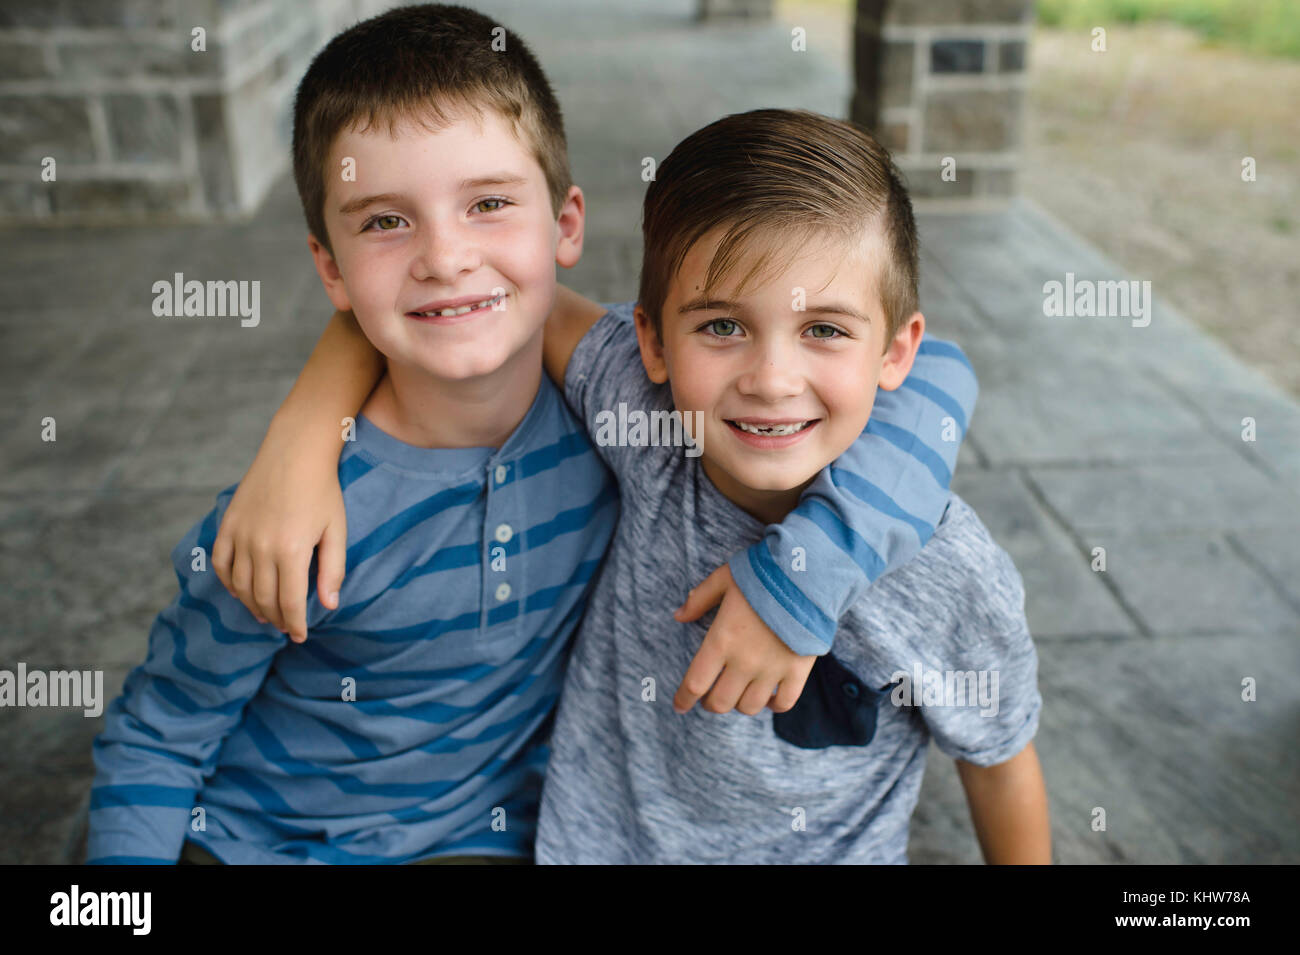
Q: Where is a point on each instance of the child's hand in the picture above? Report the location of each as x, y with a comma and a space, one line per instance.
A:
262, 553
752, 659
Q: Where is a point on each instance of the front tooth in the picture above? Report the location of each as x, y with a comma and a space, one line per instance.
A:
448, 312
776, 429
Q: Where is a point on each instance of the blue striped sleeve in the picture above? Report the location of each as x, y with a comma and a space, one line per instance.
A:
870, 511
207, 658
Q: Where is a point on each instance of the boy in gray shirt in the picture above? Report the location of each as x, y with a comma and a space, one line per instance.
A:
778, 290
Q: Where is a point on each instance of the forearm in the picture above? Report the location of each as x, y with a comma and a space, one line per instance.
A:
334, 384
1008, 806
146, 782
207, 658
571, 318
177, 708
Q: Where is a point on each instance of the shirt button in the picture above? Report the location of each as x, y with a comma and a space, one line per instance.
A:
504, 533
503, 592
851, 690
501, 474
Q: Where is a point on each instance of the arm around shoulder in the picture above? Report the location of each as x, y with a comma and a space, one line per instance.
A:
570, 319
290, 498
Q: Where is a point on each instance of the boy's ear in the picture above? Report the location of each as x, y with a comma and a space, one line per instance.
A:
652, 349
329, 273
570, 225
902, 352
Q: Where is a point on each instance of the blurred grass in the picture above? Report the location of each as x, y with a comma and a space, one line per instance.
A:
1268, 27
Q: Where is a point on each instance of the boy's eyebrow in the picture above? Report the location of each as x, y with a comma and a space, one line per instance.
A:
835, 308
494, 179
828, 308
356, 205
709, 305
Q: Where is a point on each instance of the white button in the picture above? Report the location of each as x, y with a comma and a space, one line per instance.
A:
503, 592
501, 474
504, 533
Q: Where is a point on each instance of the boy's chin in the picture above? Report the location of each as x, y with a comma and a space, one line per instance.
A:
480, 358
776, 480
469, 370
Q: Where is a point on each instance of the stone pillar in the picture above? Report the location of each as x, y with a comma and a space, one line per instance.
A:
729, 9
942, 80
149, 109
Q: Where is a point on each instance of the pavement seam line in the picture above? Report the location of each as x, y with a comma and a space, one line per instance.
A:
1037, 494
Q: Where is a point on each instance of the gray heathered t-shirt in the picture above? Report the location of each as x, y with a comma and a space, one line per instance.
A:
629, 780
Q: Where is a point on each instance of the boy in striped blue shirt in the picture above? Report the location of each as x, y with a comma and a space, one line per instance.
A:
413, 726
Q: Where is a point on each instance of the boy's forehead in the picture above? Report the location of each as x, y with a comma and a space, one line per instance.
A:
482, 145
790, 259
384, 130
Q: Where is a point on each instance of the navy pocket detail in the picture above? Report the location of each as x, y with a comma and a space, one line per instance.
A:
835, 709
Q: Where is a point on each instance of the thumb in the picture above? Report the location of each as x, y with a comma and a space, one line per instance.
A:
332, 563
705, 596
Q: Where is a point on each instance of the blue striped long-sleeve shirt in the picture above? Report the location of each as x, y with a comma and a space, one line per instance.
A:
412, 723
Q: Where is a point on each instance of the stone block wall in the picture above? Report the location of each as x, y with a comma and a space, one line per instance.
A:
942, 82
110, 111
118, 110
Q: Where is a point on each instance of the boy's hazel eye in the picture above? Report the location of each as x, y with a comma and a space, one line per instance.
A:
500, 204
827, 331
387, 223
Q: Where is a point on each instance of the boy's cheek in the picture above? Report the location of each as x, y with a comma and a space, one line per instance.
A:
529, 250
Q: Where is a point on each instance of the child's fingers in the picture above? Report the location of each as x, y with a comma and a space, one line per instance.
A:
241, 582
223, 554
726, 692
266, 591
705, 596
792, 684
700, 675
756, 696
787, 695
293, 597
332, 559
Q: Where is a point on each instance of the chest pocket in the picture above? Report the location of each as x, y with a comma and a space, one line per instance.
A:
835, 709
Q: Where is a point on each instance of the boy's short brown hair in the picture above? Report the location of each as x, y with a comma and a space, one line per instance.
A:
424, 63
774, 178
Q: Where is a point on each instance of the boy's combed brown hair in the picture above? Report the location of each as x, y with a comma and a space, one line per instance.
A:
775, 178
425, 63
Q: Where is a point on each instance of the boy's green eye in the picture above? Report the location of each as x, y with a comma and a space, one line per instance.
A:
829, 331
722, 327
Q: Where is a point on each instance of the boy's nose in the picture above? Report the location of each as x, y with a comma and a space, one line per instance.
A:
443, 253
774, 375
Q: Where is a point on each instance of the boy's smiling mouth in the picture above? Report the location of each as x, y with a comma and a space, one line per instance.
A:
452, 309
771, 433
